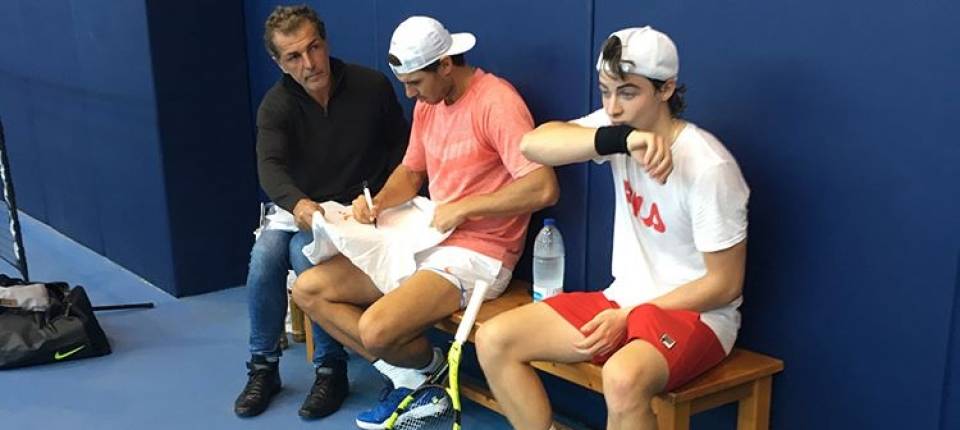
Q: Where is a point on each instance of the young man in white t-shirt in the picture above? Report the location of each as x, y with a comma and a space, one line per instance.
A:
679, 248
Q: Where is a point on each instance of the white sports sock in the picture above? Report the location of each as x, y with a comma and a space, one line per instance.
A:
406, 377
434, 364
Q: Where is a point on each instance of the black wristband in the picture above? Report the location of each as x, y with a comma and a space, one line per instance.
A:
612, 139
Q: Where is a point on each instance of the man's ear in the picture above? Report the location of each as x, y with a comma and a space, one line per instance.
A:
668, 88
446, 66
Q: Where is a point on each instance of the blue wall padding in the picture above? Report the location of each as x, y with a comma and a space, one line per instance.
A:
58, 122
206, 139
129, 131
950, 414
78, 104
599, 248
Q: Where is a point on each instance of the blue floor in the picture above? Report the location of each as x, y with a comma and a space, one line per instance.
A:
177, 366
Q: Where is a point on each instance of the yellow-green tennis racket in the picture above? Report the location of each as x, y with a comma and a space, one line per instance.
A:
433, 405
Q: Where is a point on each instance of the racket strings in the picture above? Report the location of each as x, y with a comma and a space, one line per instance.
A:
431, 409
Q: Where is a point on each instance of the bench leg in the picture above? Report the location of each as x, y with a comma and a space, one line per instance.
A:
754, 410
296, 323
308, 333
674, 417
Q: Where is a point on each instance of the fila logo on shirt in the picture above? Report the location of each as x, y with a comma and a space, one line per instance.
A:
635, 201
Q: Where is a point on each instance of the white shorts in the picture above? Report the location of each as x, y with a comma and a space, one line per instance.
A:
463, 268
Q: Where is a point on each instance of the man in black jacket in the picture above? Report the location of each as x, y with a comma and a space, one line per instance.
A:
322, 130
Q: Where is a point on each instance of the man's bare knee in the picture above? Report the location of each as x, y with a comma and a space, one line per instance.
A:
377, 333
308, 288
628, 386
493, 342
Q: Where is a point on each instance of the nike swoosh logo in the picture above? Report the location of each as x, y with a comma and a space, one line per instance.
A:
60, 356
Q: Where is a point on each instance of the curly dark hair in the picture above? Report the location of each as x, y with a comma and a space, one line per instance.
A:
611, 54
286, 20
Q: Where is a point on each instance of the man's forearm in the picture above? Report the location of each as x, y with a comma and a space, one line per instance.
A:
535, 191
722, 284
279, 186
402, 185
701, 295
557, 143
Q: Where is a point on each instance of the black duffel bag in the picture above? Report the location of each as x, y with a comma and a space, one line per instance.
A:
66, 330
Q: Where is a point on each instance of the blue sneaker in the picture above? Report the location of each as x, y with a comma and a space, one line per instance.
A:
376, 418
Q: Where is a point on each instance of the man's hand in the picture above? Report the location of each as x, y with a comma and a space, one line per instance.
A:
303, 213
363, 213
652, 152
448, 216
603, 333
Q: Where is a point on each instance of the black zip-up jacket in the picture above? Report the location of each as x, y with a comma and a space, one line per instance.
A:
306, 151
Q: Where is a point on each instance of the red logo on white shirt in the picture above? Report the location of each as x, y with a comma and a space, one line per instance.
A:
635, 201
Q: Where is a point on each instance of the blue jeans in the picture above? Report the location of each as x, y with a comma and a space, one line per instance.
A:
274, 253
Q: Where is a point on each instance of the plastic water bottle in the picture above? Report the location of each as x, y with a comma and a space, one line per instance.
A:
547, 261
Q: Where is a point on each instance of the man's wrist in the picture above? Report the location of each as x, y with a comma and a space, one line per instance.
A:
305, 206
465, 208
612, 139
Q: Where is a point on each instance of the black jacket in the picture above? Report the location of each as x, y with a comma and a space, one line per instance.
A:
306, 151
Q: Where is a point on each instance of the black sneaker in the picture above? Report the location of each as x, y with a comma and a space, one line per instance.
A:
262, 385
328, 392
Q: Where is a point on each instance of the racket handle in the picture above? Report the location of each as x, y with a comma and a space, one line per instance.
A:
470, 315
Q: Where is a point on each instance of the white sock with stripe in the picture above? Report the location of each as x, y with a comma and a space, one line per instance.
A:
406, 377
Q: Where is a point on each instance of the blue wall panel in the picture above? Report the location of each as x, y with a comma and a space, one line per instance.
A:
132, 196
59, 129
123, 129
79, 108
851, 269
123, 135
600, 227
206, 140
57, 115
24, 157
950, 415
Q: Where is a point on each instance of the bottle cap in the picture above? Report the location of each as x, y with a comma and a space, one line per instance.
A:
549, 221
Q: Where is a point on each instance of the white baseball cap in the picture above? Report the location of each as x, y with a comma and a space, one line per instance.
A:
421, 40
646, 52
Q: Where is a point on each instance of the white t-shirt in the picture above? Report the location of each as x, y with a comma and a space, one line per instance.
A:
661, 231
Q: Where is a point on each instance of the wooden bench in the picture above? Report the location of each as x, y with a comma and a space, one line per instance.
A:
744, 377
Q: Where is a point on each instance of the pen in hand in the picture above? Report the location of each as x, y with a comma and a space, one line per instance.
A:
366, 195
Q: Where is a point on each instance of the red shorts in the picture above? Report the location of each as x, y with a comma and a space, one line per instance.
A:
688, 345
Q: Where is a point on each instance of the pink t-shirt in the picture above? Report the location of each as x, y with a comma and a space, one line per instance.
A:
473, 147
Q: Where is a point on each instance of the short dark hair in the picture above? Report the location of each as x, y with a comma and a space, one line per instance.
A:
458, 60
611, 55
286, 20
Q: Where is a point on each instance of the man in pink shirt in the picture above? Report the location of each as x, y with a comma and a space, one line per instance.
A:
465, 142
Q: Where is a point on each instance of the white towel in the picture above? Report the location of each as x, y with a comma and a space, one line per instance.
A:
385, 252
